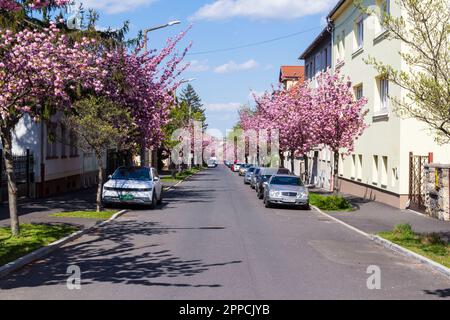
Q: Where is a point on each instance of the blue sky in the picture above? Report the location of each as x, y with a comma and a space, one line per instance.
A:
225, 80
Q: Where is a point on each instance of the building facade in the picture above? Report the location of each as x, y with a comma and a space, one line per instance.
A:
58, 165
382, 166
290, 75
318, 58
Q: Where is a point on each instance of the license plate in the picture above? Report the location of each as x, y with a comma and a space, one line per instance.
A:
289, 200
127, 197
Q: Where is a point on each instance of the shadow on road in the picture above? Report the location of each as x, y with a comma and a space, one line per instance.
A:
441, 293
122, 252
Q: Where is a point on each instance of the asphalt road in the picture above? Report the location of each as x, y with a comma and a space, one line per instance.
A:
213, 239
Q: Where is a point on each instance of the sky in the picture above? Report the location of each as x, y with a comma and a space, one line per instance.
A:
226, 79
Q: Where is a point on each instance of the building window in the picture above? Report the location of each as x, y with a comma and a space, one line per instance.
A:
383, 88
384, 171
359, 33
63, 141
359, 92
52, 152
375, 170
359, 167
73, 141
353, 172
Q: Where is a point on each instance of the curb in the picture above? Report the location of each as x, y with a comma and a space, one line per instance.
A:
179, 182
392, 246
42, 252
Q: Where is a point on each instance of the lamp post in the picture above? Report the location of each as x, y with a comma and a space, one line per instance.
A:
146, 31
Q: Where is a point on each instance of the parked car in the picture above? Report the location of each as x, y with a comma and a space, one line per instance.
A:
235, 167
253, 177
243, 169
286, 190
264, 175
249, 174
133, 185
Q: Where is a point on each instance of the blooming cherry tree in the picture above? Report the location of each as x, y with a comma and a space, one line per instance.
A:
341, 116
38, 69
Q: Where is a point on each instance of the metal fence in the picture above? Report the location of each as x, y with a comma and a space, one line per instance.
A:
24, 173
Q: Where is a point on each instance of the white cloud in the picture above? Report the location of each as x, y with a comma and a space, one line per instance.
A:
253, 94
215, 107
233, 66
115, 6
198, 66
272, 9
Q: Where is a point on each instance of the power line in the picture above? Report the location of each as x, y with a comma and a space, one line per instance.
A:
255, 43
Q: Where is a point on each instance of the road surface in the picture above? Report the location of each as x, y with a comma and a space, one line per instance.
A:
213, 239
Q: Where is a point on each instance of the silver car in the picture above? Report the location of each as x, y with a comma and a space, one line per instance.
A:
286, 190
253, 177
133, 185
248, 175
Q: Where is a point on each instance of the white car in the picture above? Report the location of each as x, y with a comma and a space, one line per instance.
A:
133, 185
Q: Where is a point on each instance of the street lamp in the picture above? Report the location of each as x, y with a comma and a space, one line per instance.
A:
146, 31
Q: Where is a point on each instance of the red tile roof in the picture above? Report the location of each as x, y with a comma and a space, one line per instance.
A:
296, 73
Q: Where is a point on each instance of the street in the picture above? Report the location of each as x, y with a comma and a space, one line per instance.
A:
213, 239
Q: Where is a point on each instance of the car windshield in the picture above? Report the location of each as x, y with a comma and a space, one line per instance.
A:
266, 177
133, 173
287, 181
257, 171
250, 170
269, 171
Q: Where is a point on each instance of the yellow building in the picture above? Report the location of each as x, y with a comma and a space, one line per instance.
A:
381, 167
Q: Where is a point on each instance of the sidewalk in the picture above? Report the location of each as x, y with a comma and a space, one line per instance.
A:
38, 210
373, 217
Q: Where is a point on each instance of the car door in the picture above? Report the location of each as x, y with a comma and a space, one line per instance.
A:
157, 183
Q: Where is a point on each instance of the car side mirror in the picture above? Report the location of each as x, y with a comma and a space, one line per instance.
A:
156, 179
110, 176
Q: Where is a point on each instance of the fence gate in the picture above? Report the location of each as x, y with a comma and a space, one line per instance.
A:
417, 182
24, 172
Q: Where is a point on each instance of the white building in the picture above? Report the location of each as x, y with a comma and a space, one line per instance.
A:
379, 169
58, 164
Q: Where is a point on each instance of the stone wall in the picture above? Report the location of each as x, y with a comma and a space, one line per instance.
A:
437, 198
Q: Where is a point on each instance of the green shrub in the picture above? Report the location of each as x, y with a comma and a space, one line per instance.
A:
330, 203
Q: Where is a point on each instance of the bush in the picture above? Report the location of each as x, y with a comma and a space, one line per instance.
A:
404, 231
330, 203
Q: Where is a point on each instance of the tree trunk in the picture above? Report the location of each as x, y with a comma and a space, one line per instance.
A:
336, 173
292, 162
306, 173
100, 183
281, 159
12, 186
143, 155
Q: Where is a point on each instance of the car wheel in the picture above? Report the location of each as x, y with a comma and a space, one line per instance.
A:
267, 203
160, 198
153, 204
260, 195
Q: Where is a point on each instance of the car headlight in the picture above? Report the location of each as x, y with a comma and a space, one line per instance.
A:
302, 195
274, 193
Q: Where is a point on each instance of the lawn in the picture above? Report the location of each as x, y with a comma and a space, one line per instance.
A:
428, 245
181, 176
32, 237
104, 215
330, 203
